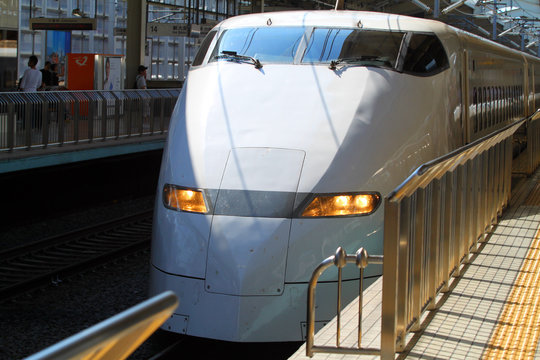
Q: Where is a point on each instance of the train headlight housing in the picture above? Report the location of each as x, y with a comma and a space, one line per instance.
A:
342, 205
184, 199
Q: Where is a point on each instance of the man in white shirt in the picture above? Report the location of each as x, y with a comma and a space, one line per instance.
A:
32, 77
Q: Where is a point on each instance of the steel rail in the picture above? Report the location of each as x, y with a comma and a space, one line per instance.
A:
29, 266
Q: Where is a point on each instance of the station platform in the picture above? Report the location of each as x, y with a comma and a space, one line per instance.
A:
70, 153
492, 310
48, 128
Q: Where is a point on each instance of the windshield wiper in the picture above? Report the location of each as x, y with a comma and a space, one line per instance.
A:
232, 55
360, 59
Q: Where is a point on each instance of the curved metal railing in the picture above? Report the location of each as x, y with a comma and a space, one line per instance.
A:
116, 337
361, 259
432, 223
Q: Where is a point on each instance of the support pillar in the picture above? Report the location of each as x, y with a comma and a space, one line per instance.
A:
136, 32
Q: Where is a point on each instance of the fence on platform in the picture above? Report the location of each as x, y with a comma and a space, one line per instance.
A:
432, 223
54, 118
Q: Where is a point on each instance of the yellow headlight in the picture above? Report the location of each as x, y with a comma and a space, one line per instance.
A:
342, 205
184, 199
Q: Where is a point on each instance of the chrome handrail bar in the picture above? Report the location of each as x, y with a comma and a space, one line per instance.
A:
361, 259
116, 337
464, 152
34, 120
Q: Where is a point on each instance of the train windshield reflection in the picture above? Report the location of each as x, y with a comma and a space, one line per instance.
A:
361, 46
419, 54
269, 45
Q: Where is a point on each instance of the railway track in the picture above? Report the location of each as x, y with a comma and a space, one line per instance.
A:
35, 264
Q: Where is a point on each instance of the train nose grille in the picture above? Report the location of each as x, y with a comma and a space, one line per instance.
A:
247, 254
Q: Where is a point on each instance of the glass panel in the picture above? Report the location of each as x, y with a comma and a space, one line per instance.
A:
269, 45
425, 55
204, 48
8, 60
9, 14
365, 47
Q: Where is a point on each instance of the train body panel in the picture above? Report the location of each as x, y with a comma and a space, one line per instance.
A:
256, 156
245, 318
317, 115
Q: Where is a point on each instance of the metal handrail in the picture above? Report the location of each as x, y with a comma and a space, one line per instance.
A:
116, 337
435, 219
361, 259
432, 223
30, 120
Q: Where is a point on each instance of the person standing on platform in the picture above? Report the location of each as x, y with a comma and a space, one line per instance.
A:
140, 80
32, 78
140, 83
31, 81
54, 75
46, 75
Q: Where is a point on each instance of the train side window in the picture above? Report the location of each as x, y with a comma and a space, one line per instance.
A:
496, 105
510, 103
518, 100
484, 109
204, 48
495, 100
490, 105
481, 110
521, 99
501, 104
475, 102
507, 103
425, 55
514, 102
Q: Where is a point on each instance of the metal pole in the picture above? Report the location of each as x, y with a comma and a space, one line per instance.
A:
494, 19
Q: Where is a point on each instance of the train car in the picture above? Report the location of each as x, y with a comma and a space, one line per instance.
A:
288, 133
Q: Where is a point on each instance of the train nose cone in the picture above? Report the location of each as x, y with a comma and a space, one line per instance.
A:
247, 250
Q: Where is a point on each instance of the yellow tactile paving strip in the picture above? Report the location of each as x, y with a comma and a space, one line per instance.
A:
518, 328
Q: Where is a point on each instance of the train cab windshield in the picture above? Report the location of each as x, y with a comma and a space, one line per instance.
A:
268, 45
352, 46
414, 53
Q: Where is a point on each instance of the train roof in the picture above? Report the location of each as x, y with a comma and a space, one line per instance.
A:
337, 18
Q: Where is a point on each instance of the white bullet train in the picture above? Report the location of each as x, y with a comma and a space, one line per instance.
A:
288, 133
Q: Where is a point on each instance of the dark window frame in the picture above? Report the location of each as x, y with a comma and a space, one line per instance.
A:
198, 60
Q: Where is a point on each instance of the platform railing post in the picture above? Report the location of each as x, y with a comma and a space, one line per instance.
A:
434, 261
391, 267
46, 121
12, 125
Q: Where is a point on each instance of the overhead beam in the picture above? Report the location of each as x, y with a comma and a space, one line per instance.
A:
421, 5
455, 5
